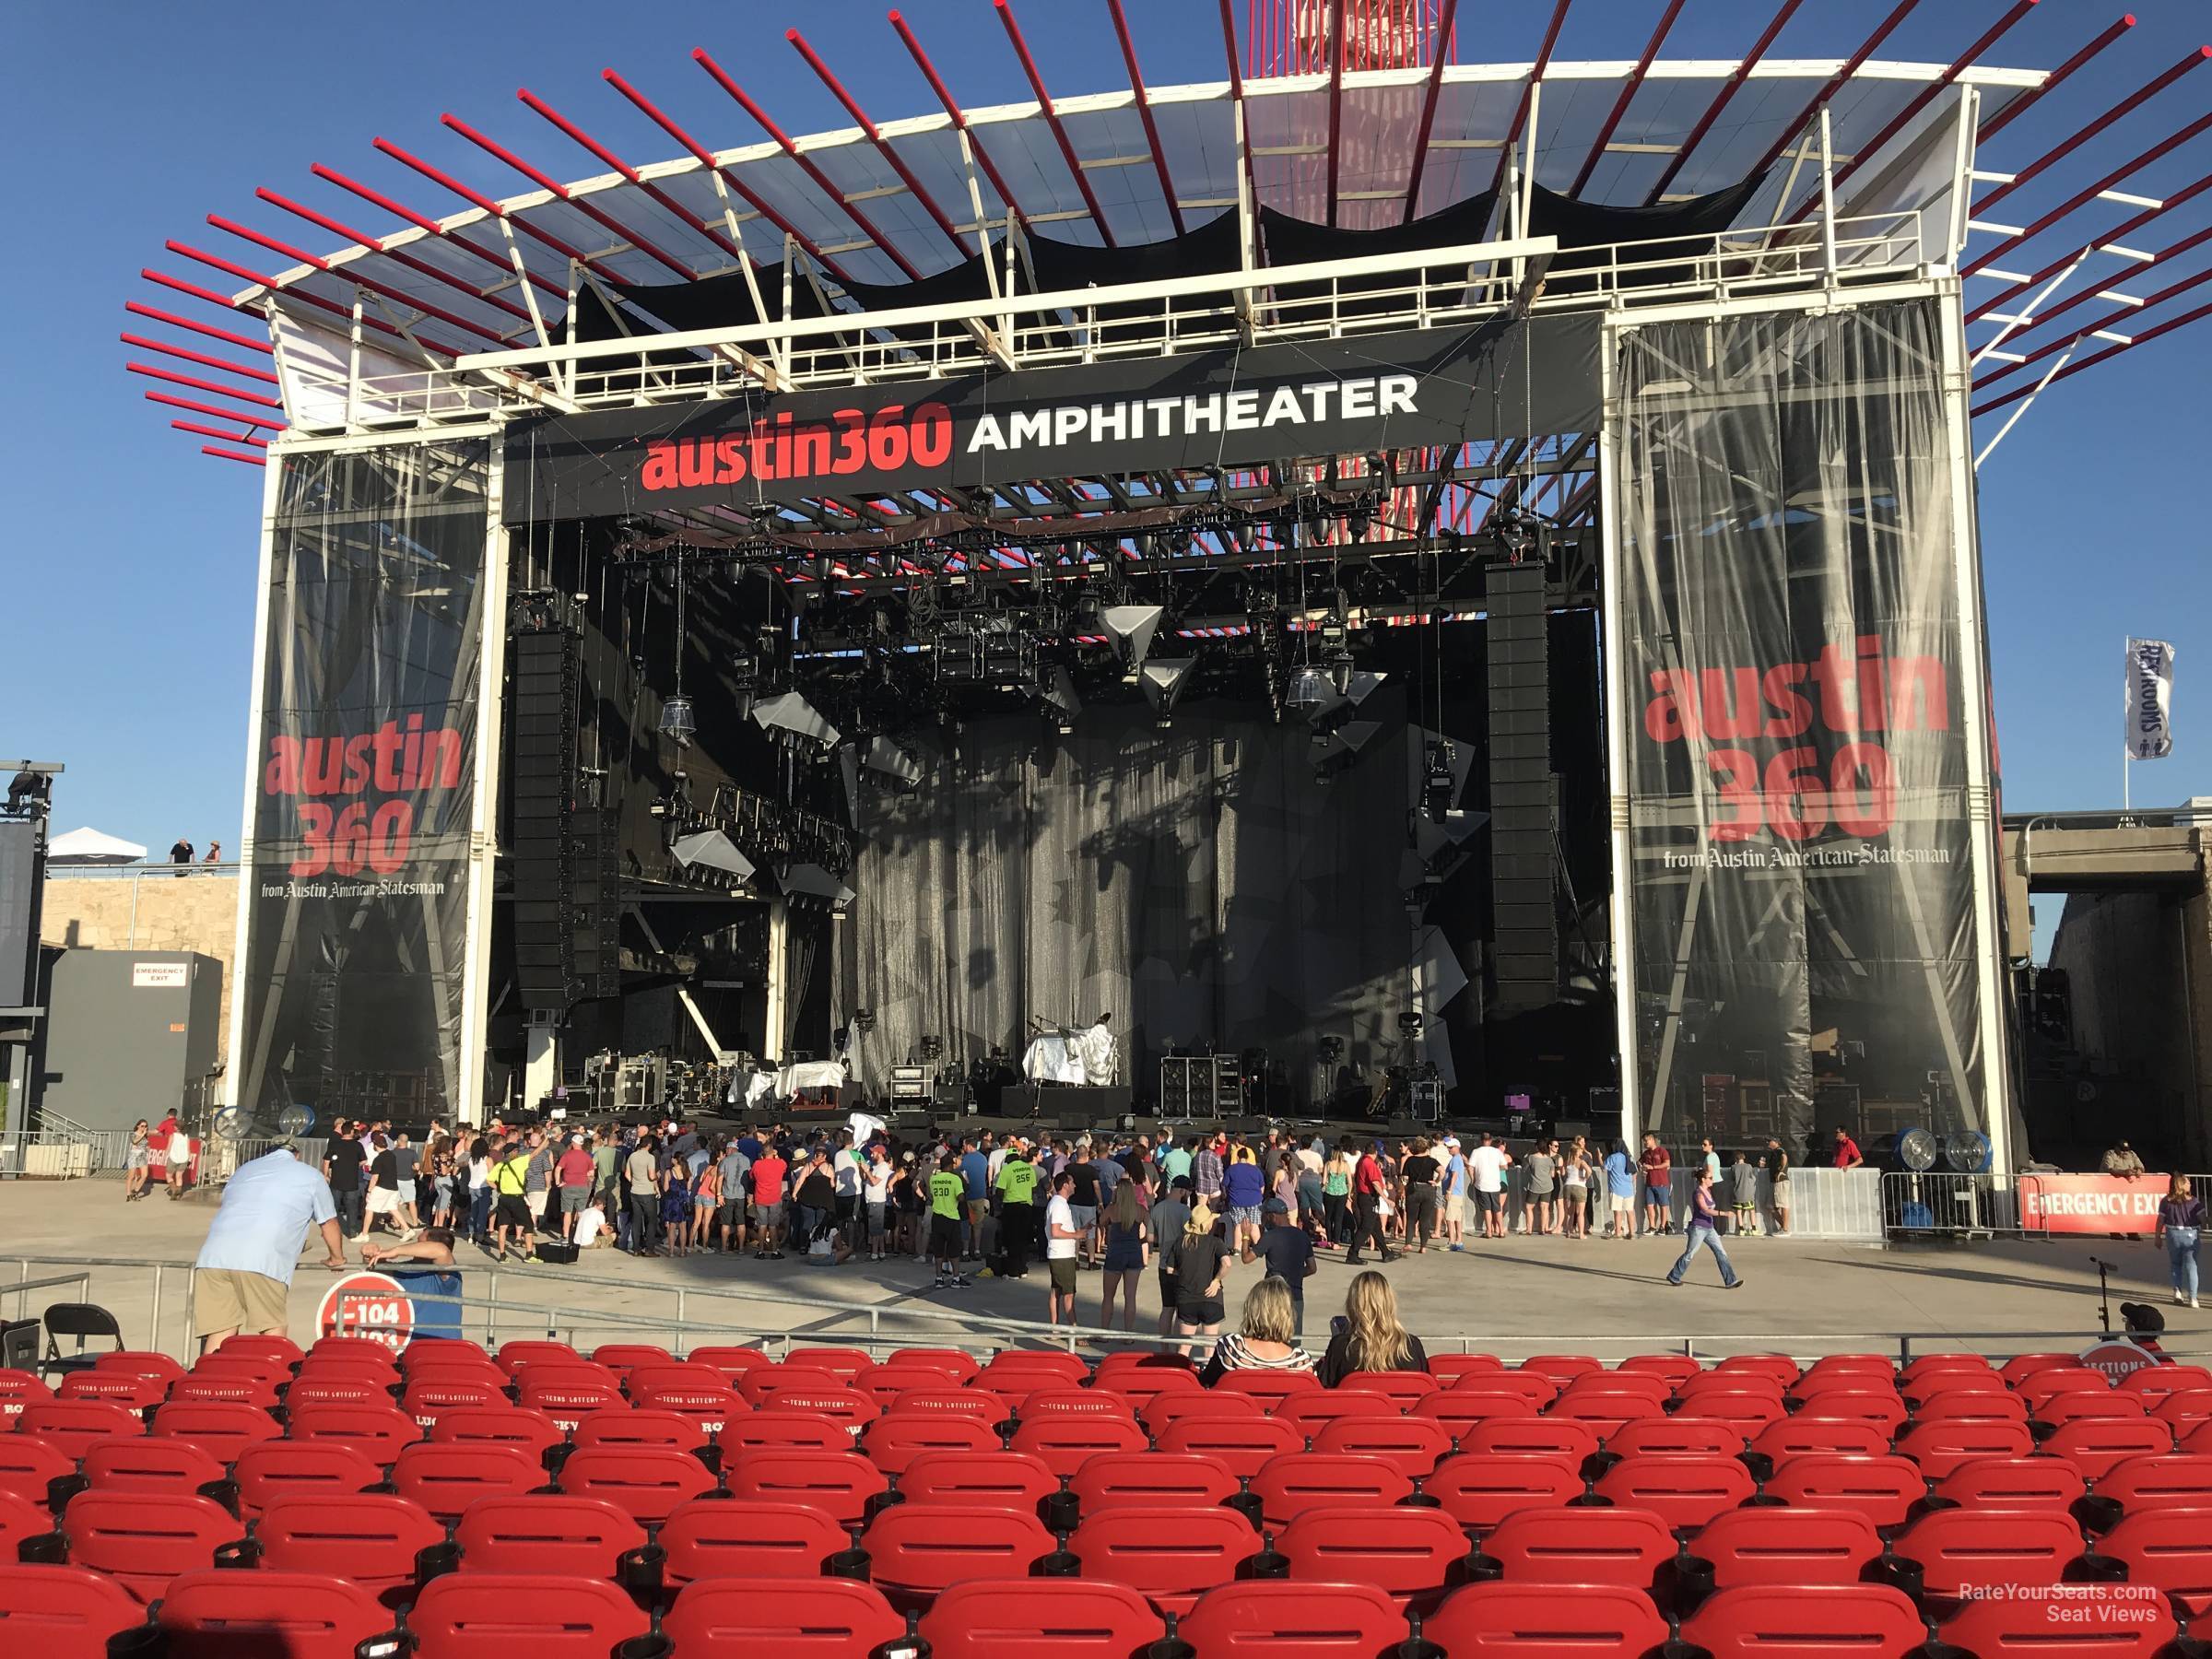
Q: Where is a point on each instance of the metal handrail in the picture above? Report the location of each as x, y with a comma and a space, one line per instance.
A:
138, 870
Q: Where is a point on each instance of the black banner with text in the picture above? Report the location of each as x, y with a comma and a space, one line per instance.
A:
1218, 408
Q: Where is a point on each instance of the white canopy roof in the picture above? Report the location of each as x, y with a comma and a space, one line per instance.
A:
88, 846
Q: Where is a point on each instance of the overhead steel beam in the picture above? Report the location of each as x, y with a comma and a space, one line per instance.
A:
2043, 221
477, 199
1336, 55
1144, 110
1789, 133
243, 417
1052, 117
270, 285
2051, 82
1429, 95
958, 115
1627, 91
599, 151
2148, 89
2112, 320
583, 205
247, 370
875, 136
351, 273
398, 256
1528, 88
2116, 236
2110, 352
424, 222
246, 342
1729, 89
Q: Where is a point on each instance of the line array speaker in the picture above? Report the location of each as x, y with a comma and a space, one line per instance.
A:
567, 877
1525, 921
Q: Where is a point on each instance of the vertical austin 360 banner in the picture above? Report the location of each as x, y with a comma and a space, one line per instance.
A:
1802, 884
365, 775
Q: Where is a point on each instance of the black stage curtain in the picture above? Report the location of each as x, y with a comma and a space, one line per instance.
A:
1689, 225
1199, 884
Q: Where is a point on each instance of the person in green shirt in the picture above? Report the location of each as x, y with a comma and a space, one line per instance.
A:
511, 1181
947, 1196
1016, 1214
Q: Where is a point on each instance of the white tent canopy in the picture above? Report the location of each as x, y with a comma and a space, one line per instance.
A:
88, 846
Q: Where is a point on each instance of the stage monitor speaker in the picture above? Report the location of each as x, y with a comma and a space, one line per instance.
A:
1524, 926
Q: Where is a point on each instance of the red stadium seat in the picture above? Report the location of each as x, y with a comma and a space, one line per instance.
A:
1535, 1621
2045, 1386
326, 1348
639, 1428
513, 1355
1176, 1405
1883, 1490
1447, 1368
1069, 1619
1066, 1443
677, 1375
732, 1361
118, 1388
892, 1442
2015, 1483
2020, 1367
1604, 1414
1879, 1366
1534, 1387
2197, 1441
951, 1401
2170, 1549
1413, 1445
224, 1388
430, 1394
2187, 1410
1752, 1412
29, 1464
1546, 1435
2154, 1383
916, 1550
847, 1408
69, 1426
530, 1432
756, 1384
1751, 1381
1246, 1444
1927, 1365
230, 1361
644, 1482
1141, 1387
1642, 1385
369, 1539
1763, 1622
270, 1470
841, 1484
1972, 1405
1880, 1407
1939, 1447
781, 1618
1265, 1619
1169, 1555
571, 1538
1297, 1481
2058, 1410
1569, 1545
1271, 1388
1461, 1409
706, 1409
1676, 1368
1411, 1555
1408, 1388
1062, 1399
1034, 1365
1310, 1412
337, 1387
2096, 1445
19, 1388
1793, 1437
1479, 1490
993, 1480
2176, 1481
1113, 1368
467, 1615
1684, 1492
283, 1350
958, 1366
2051, 1626
377, 1431
619, 1357
445, 1479
843, 1363
1153, 1479
144, 1539
427, 1353
1563, 1368
1679, 1437
1780, 1366
782, 1430
1966, 1553
884, 1384
140, 1362
563, 1401
63, 1612
137, 1462
220, 1427
1786, 1546
748, 1539
21, 1519
296, 1615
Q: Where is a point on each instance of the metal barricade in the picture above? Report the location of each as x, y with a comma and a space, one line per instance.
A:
1945, 1204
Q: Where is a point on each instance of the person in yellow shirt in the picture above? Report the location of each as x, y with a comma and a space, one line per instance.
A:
510, 1182
948, 1199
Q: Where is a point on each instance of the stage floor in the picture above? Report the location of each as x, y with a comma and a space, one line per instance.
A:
1521, 1296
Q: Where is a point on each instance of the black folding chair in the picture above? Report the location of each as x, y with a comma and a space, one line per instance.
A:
19, 1344
80, 1320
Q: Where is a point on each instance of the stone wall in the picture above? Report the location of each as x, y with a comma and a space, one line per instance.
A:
154, 909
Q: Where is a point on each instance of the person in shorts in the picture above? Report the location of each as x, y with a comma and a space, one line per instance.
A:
574, 1174
1658, 1186
1743, 1194
243, 1274
1063, 1234
1168, 1217
1201, 1264
948, 1206
1083, 1201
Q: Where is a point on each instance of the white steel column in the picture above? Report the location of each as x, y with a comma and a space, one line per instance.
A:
234, 1060
483, 817
1983, 829
773, 1039
1613, 657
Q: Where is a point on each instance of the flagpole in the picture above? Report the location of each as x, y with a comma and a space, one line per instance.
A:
2127, 654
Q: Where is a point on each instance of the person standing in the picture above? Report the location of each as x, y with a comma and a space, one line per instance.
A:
2124, 1160
641, 1171
947, 1207
136, 1169
1574, 1188
1489, 1163
1016, 1212
1704, 1233
383, 1187
1169, 1217
1369, 1185
1778, 1184
1543, 1182
176, 1155
1658, 1166
179, 853
1288, 1253
511, 1218
1244, 1186
574, 1175
1174, 1160
1205, 1172
1126, 1254
479, 1190
1848, 1156
1063, 1233
1456, 1194
1743, 1195
1201, 1263
1420, 1171
406, 1163
538, 1176
2181, 1227
243, 1277
1620, 1192
1083, 1197
769, 1173
1336, 1194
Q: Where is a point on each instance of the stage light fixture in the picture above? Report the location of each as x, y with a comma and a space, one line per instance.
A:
1409, 1022
678, 722
1132, 627
744, 679
1163, 680
1308, 690
1438, 785
1359, 521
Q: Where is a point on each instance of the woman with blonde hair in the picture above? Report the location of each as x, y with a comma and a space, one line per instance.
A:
1370, 1336
1267, 1338
2180, 1226
1127, 1254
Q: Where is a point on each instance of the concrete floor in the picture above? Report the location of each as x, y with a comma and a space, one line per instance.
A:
1517, 1296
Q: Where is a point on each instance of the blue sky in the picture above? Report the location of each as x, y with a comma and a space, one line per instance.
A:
129, 600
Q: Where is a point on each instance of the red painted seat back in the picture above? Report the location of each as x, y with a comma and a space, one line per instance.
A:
843, 1363
1152, 1479
2178, 1480
1310, 1412
1410, 1553
756, 1384
1757, 1621
445, 1479
893, 1443
1563, 1368
1461, 1409
1064, 1399
140, 1362
1070, 1618
1414, 1445
1265, 1618
369, 1539
377, 1431
1879, 1407
222, 1428
64, 1612
1966, 1552
839, 1484
621, 1356
1271, 1388
1066, 1443
1787, 1546
69, 1426
575, 1537
2018, 1483
1971, 1405
1479, 1491
1676, 1368
530, 1432
748, 1538
270, 1470
1172, 1555
28, 1465
1523, 1620
884, 1384
1448, 1368
118, 1388
1245, 1443
513, 1355
989, 1480
467, 1615
2170, 1549
2098, 1445
916, 1550
1550, 1437
1791, 1437
1408, 1388
1940, 1447
1679, 1437
644, 1482
788, 1430
137, 1462
1573, 1545
619, 1427
1687, 1492
1881, 1489
961, 1366
144, 1539
2048, 1626
790, 1619
1297, 1481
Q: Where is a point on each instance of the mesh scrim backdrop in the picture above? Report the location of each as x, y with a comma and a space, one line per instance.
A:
1198, 883
357, 943
1802, 881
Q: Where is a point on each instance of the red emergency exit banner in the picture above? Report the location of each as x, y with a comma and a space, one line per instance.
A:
2091, 1204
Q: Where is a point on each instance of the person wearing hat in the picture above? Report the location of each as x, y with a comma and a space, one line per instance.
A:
1201, 1262
1454, 1193
1017, 1187
1284, 1245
